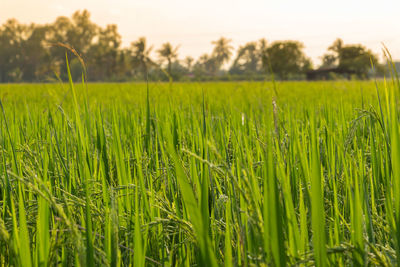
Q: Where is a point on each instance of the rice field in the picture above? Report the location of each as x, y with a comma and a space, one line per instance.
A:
200, 174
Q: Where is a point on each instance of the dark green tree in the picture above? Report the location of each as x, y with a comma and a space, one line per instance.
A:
83, 30
168, 53
247, 60
32, 52
140, 55
205, 66
11, 45
35, 55
77, 32
263, 54
287, 58
103, 54
188, 62
353, 58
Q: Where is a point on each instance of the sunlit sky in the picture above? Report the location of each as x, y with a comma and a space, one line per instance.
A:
194, 24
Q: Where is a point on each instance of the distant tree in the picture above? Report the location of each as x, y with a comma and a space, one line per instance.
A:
337, 46
78, 32
177, 70
31, 52
205, 66
263, 54
140, 55
58, 33
60, 30
352, 58
11, 41
83, 30
329, 61
247, 60
124, 63
356, 58
287, 58
188, 62
23, 56
222, 51
103, 54
35, 56
168, 53
199, 68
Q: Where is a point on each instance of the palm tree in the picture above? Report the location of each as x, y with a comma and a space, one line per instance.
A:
188, 62
263, 53
141, 55
168, 52
222, 51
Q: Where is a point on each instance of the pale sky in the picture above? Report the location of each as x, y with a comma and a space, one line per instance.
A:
194, 24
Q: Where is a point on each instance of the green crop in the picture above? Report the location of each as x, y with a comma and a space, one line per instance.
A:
208, 174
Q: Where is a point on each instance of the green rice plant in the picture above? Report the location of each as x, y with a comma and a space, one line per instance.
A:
317, 201
200, 174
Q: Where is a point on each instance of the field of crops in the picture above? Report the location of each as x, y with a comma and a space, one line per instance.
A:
208, 174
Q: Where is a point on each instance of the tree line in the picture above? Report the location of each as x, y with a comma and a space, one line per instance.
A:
29, 53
